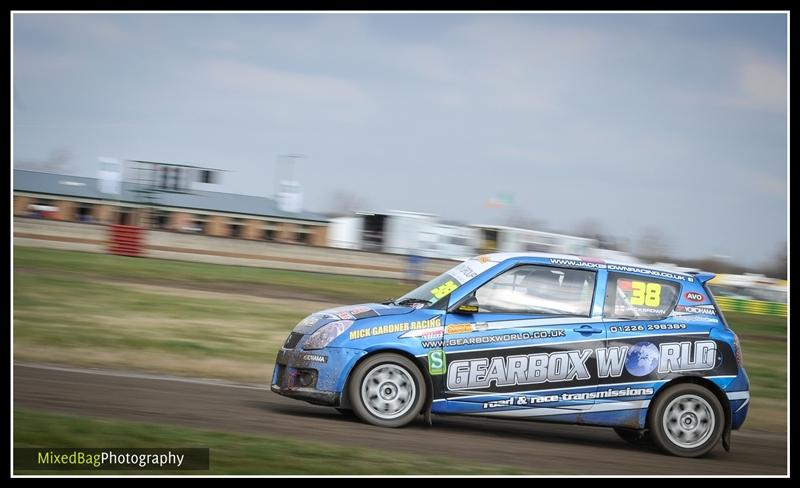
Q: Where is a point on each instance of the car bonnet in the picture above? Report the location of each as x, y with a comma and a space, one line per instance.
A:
316, 320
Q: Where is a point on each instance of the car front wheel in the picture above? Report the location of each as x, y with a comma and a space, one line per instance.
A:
687, 420
387, 390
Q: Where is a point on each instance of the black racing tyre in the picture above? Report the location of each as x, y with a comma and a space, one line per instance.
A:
636, 437
686, 420
387, 390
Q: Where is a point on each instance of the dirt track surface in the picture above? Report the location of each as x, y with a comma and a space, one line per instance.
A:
252, 409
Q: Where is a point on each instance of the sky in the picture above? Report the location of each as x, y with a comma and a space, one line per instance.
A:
672, 125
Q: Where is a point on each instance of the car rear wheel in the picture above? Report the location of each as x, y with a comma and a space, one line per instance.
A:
687, 420
387, 390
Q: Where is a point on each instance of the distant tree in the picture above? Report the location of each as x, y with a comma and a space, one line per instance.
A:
516, 218
593, 229
714, 264
653, 245
590, 228
779, 268
623, 244
56, 162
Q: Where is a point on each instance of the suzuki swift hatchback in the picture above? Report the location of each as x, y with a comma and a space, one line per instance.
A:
533, 336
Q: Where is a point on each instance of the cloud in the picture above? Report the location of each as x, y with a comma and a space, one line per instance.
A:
67, 28
764, 183
223, 45
523, 63
104, 30
757, 82
259, 79
43, 65
429, 62
61, 42
763, 84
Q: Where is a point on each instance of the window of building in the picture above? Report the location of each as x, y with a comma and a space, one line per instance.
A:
208, 176
539, 290
164, 177
270, 231
236, 226
124, 216
303, 234
197, 224
171, 178
459, 241
83, 213
634, 297
489, 240
160, 219
43, 208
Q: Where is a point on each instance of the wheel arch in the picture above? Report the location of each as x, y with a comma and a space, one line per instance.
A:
345, 398
707, 384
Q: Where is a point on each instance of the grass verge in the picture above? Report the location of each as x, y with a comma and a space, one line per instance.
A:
348, 289
229, 453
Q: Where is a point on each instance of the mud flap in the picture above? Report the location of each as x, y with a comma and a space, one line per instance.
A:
426, 410
428, 417
726, 438
726, 432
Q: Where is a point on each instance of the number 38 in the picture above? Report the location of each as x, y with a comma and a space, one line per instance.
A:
648, 294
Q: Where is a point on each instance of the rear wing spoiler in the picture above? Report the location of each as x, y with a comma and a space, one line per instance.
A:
703, 276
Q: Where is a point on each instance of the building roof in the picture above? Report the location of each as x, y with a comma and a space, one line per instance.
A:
82, 187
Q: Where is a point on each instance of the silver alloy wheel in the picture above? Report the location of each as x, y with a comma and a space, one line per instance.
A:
388, 391
688, 421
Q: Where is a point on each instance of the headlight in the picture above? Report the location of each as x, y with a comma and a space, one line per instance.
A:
326, 334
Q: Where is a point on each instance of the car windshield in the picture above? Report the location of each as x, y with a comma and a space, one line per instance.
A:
447, 282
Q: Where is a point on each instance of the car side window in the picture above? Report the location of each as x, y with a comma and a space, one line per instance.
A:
634, 297
533, 289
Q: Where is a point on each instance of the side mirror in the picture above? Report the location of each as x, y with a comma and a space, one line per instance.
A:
468, 305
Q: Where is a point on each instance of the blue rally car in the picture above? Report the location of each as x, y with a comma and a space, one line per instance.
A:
533, 336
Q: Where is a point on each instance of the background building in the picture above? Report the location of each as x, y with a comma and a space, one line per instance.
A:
79, 199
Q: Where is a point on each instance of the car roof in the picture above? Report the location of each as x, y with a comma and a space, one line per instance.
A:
503, 256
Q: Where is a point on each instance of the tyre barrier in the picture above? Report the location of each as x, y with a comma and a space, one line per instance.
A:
125, 240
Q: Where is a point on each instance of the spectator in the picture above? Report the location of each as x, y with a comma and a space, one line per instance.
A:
415, 266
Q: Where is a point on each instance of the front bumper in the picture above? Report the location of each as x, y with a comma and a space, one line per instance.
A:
316, 376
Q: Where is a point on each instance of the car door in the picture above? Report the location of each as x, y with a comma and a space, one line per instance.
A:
529, 346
